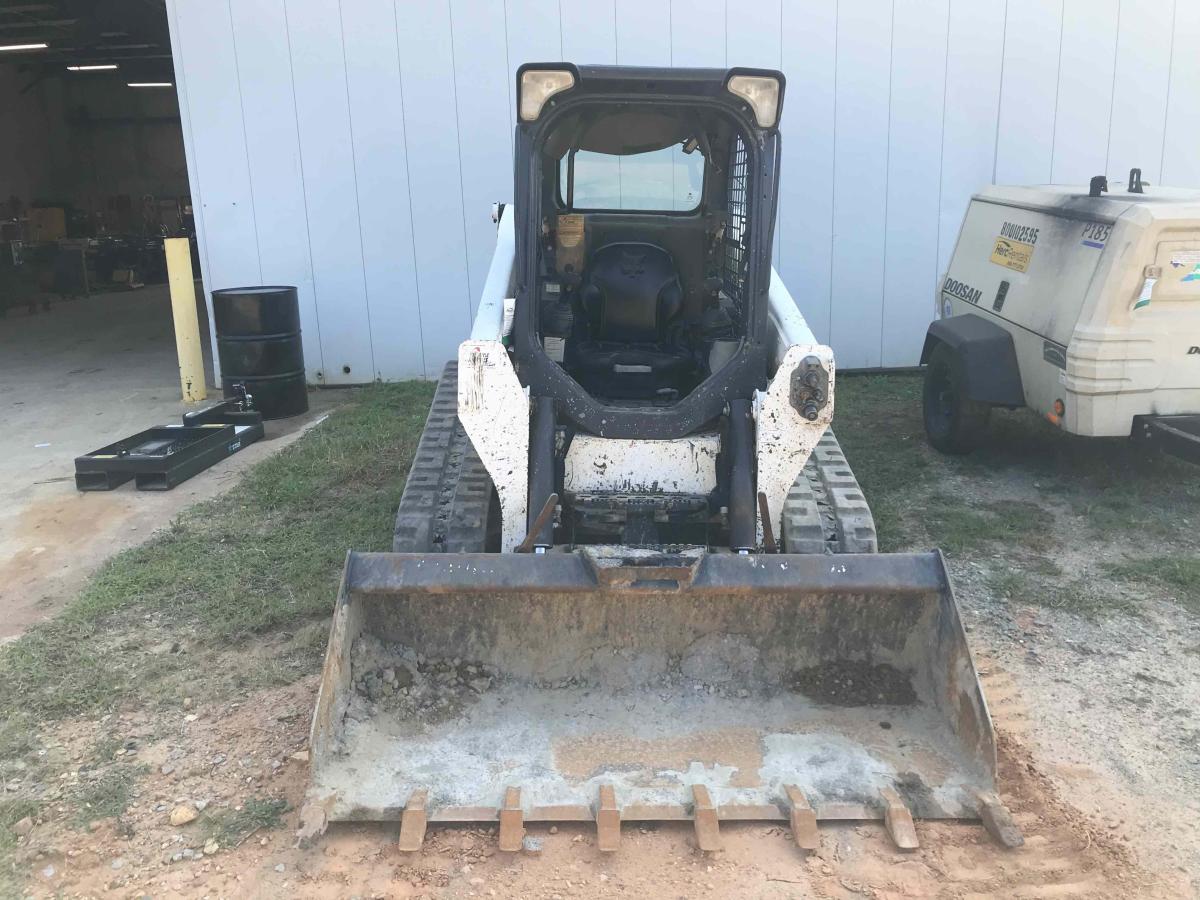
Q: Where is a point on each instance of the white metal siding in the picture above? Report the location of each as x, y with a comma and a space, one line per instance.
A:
354, 147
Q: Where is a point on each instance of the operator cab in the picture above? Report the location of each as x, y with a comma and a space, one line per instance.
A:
641, 298
646, 238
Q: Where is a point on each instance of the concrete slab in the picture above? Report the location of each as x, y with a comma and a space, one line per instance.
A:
75, 378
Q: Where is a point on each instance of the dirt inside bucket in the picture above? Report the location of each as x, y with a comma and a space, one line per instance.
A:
848, 683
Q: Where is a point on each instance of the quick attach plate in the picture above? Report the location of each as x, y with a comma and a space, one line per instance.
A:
159, 458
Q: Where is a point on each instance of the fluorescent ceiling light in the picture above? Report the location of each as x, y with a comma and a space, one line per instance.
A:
23, 46
96, 68
38, 23
150, 84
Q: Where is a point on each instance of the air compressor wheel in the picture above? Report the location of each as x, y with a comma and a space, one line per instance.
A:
954, 422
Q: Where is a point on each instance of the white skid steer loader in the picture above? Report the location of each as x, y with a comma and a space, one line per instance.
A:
633, 577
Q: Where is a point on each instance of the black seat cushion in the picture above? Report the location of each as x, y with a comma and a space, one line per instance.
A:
630, 292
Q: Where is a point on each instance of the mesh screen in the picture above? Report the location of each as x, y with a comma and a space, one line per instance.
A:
734, 272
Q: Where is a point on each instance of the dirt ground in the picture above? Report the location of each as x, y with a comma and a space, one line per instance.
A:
219, 756
1099, 763
54, 537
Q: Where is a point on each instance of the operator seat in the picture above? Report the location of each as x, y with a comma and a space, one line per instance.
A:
632, 298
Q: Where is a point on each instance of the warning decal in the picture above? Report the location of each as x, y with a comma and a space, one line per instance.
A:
1011, 254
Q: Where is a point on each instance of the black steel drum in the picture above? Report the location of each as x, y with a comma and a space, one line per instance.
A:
258, 344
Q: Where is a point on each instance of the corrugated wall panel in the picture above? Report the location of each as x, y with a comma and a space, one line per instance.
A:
264, 72
1139, 102
974, 54
589, 31
644, 32
913, 177
481, 85
1085, 84
376, 97
864, 31
805, 220
314, 33
353, 147
694, 41
1181, 159
216, 146
752, 33
1025, 136
435, 180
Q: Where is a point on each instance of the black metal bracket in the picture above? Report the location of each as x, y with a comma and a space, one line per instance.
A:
159, 458
1177, 435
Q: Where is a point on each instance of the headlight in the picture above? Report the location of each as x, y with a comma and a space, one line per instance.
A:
761, 92
536, 86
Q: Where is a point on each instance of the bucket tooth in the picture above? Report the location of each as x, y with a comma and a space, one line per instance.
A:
898, 821
413, 821
314, 819
999, 821
608, 820
803, 819
704, 817
512, 821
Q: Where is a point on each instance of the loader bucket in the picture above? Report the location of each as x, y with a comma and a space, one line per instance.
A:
554, 687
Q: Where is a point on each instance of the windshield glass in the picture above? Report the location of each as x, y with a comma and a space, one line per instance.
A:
661, 180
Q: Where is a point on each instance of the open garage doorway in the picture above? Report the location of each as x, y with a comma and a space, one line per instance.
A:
92, 179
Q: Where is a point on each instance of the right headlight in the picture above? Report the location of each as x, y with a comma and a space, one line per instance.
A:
761, 92
536, 86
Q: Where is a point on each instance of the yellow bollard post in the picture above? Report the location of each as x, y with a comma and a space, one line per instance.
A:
187, 324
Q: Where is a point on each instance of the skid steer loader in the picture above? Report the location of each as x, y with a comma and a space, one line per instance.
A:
633, 577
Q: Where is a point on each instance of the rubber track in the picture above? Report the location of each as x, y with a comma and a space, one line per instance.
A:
444, 507
825, 511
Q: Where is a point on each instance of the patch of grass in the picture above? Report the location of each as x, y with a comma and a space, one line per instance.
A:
107, 794
17, 735
11, 812
958, 528
1088, 495
885, 445
1116, 486
105, 749
1178, 575
266, 555
230, 827
1076, 596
